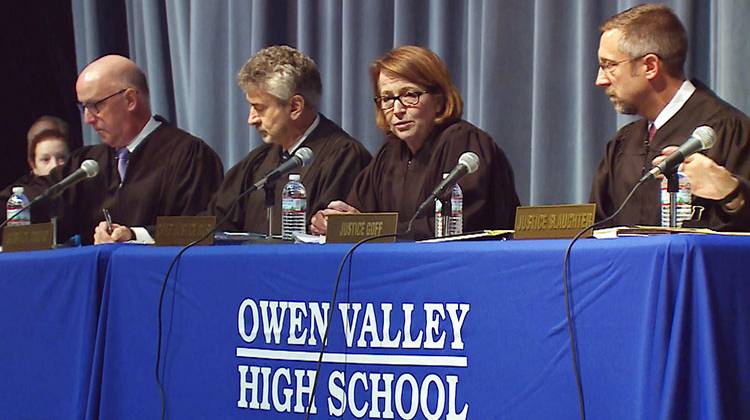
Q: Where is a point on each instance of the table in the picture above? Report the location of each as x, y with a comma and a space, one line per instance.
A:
49, 309
462, 330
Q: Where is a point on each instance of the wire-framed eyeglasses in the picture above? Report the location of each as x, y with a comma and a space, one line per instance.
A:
408, 98
608, 67
94, 106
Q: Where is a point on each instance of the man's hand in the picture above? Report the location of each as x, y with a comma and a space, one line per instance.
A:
119, 234
319, 222
707, 178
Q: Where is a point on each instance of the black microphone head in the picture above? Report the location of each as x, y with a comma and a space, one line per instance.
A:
470, 160
305, 155
706, 135
91, 167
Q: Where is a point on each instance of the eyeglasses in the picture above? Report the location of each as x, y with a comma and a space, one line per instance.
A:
609, 66
93, 107
409, 98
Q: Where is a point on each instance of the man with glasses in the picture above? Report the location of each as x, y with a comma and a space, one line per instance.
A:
283, 87
641, 69
147, 167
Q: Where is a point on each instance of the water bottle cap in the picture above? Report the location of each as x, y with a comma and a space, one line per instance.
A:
18, 190
294, 177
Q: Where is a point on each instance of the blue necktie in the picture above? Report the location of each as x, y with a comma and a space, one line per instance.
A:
122, 162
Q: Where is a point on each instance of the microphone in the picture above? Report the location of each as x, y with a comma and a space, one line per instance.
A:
702, 139
89, 168
468, 163
302, 157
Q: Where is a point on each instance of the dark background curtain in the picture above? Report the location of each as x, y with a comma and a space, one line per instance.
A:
38, 74
525, 68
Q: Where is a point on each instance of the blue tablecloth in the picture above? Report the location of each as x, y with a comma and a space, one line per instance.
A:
471, 329
49, 306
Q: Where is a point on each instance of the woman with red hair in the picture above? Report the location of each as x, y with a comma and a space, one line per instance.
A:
419, 109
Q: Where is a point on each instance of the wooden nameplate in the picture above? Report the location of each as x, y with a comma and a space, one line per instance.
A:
28, 237
353, 227
553, 222
182, 230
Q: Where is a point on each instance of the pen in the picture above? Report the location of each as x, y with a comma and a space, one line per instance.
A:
108, 219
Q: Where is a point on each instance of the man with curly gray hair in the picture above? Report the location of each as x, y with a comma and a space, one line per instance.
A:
283, 87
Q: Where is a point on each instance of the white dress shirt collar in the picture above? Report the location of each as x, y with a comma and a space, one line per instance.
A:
149, 128
678, 100
307, 132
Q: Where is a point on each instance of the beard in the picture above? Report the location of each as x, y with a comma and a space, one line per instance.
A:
620, 106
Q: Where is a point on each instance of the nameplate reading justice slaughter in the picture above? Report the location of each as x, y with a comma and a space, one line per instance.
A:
28, 238
181, 230
353, 227
553, 222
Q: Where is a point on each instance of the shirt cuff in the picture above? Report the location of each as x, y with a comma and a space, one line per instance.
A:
142, 235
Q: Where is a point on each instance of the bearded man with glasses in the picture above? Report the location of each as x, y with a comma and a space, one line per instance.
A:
642, 55
147, 167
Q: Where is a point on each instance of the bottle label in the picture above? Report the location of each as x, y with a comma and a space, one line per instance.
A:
457, 207
439, 220
298, 205
684, 200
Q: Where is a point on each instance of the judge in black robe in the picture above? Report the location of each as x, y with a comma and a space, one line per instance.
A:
629, 156
642, 53
398, 181
338, 158
283, 88
168, 173
171, 173
419, 109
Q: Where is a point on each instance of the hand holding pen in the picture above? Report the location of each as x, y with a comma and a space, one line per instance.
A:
108, 232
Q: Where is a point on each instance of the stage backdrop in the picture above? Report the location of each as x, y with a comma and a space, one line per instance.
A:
526, 69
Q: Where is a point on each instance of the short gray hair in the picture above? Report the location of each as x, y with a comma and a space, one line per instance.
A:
283, 72
652, 29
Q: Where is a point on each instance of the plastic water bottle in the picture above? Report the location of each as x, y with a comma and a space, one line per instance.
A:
684, 197
441, 216
16, 201
456, 220
293, 207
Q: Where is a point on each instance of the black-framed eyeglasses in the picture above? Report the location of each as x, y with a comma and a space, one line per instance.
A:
93, 107
409, 98
608, 67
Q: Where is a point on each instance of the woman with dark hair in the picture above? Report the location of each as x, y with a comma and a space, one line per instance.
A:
419, 110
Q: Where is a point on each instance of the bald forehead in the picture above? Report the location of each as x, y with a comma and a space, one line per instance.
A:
111, 72
109, 67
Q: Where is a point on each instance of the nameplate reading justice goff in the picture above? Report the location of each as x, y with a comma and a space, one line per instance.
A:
353, 227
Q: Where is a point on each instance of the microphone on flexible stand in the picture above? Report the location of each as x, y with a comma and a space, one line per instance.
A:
302, 157
89, 169
468, 163
702, 138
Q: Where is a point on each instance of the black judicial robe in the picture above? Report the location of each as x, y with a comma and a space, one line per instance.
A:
398, 181
337, 159
23, 181
171, 173
629, 154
